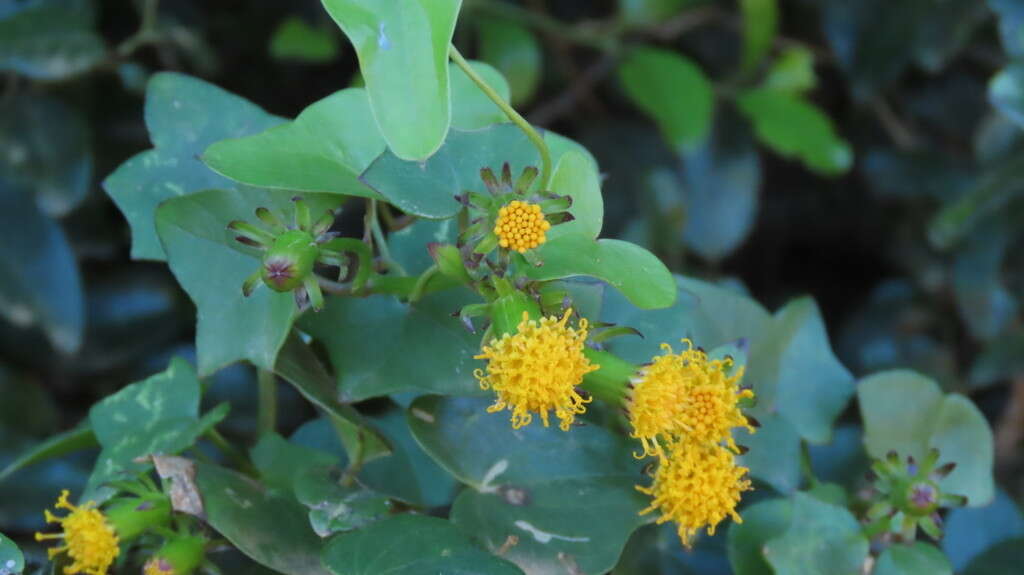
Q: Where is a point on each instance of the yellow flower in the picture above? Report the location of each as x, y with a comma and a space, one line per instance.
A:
686, 396
696, 486
157, 566
521, 226
537, 370
89, 539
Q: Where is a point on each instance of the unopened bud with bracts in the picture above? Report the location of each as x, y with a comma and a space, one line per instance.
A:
908, 495
291, 251
181, 555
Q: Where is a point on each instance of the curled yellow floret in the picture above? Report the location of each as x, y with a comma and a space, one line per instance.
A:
158, 566
521, 226
686, 396
537, 370
89, 540
696, 486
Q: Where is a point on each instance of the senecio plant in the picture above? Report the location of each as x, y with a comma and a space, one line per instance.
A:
467, 327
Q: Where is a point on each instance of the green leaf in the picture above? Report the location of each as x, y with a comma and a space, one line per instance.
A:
11, 559
471, 108
335, 506
323, 150
985, 303
762, 522
760, 21
774, 451
1011, 25
629, 268
403, 55
418, 346
969, 531
656, 549
50, 39
1001, 559
46, 147
428, 188
159, 415
652, 11
230, 327
673, 91
577, 508
410, 545
576, 176
915, 559
296, 41
800, 375
271, 529
408, 474
298, 365
908, 413
515, 51
1000, 360
70, 441
991, 193
822, 539
722, 179
792, 71
184, 115
1006, 92
795, 128
280, 462
40, 282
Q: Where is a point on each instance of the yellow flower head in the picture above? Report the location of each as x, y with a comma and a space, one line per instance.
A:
89, 539
696, 486
158, 566
537, 370
521, 226
686, 396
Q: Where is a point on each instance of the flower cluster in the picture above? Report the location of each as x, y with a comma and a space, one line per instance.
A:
537, 370
683, 408
90, 541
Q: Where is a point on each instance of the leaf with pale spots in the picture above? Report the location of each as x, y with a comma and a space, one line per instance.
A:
410, 545
184, 115
568, 498
272, 529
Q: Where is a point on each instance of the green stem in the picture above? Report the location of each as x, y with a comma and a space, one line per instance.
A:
610, 383
231, 452
378, 237
535, 137
421, 283
266, 420
805, 464
146, 33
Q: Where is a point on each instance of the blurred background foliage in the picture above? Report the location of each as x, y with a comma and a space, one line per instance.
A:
869, 153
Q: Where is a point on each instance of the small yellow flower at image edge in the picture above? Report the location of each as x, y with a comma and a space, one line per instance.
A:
686, 395
521, 226
158, 566
537, 370
696, 486
89, 539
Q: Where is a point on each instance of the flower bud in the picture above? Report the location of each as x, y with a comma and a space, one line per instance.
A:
132, 516
178, 556
289, 261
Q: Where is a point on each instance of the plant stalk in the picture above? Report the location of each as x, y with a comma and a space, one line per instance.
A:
517, 119
266, 419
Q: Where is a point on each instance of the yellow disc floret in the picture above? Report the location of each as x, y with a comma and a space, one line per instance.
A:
696, 486
521, 226
89, 539
686, 396
537, 369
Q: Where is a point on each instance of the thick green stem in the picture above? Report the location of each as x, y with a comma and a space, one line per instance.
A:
610, 383
421, 283
535, 137
266, 420
231, 452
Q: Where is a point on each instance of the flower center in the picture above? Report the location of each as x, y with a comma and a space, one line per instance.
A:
521, 226
89, 540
